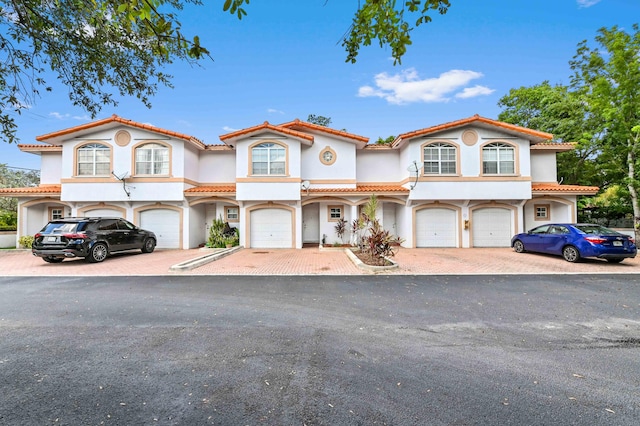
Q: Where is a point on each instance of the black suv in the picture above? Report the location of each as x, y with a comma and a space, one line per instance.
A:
93, 238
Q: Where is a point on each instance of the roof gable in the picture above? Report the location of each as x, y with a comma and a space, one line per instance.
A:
57, 137
477, 121
266, 127
297, 124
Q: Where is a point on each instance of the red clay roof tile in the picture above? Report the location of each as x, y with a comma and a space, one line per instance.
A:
210, 189
554, 187
474, 119
297, 123
363, 188
266, 126
32, 190
116, 119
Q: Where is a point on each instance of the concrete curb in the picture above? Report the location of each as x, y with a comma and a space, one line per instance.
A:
190, 264
370, 268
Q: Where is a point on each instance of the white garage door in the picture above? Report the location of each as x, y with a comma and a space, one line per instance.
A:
102, 213
436, 228
271, 228
491, 227
165, 224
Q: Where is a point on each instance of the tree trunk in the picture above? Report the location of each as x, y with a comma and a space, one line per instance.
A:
631, 161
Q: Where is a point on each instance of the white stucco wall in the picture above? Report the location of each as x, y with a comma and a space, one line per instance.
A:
379, 166
217, 167
543, 167
471, 190
50, 168
342, 169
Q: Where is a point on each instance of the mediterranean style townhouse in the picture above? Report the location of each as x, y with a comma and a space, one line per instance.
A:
468, 183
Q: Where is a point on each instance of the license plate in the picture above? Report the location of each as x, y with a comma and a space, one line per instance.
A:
617, 243
52, 239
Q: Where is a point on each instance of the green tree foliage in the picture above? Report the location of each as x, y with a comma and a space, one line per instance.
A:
99, 48
319, 120
93, 47
13, 178
386, 141
607, 77
560, 111
386, 22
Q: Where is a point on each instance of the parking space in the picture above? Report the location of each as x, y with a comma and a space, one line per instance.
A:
312, 261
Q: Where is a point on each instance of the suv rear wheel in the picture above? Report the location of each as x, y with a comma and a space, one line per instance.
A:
97, 253
149, 245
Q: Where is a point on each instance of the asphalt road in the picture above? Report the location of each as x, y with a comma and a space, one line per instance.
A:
317, 350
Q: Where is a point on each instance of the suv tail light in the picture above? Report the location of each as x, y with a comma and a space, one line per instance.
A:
595, 240
75, 236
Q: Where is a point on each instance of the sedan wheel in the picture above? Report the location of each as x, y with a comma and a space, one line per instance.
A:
518, 246
571, 254
98, 253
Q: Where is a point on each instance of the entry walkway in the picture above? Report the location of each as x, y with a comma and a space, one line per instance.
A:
312, 261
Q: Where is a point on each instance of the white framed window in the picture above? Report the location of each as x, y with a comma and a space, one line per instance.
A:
152, 159
439, 159
268, 159
231, 214
498, 159
335, 213
56, 213
542, 211
94, 159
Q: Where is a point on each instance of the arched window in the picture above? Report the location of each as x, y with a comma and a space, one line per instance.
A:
94, 159
268, 159
498, 158
439, 159
152, 159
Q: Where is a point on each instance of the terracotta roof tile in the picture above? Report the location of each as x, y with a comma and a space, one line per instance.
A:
566, 189
218, 147
211, 189
297, 123
376, 146
363, 188
266, 126
39, 148
116, 119
554, 146
32, 190
475, 119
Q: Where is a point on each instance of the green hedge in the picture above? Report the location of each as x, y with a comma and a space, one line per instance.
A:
8, 228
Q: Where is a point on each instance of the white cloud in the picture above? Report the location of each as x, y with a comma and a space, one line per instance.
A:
229, 129
59, 116
587, 3
275, 111
472, 92
407, 87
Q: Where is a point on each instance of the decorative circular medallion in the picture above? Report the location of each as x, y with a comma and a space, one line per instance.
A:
328, 156
469, 137
123, 138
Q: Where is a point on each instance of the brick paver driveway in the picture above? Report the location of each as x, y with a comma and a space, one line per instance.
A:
312, 261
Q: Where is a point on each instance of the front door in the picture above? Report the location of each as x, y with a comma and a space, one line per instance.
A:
310, 223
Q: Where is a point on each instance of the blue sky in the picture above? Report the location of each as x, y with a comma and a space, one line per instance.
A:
284, 61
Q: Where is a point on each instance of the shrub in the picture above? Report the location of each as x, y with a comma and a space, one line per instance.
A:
221, 234
26, 241
341, 229
374, 241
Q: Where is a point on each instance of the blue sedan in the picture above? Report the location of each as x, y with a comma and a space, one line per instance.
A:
575, 241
